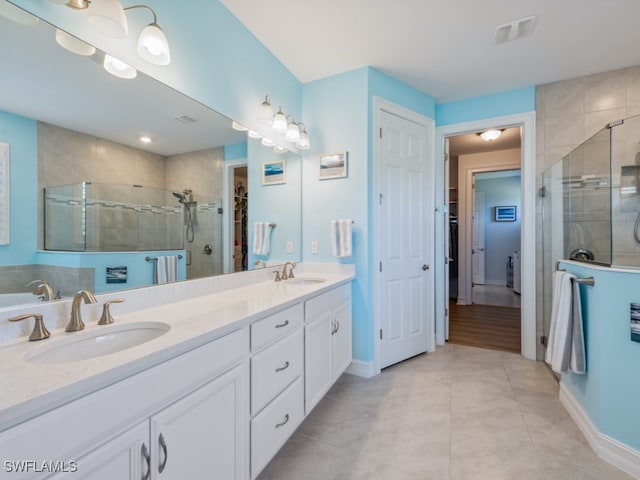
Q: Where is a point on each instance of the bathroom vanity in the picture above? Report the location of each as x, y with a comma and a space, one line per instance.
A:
216, 396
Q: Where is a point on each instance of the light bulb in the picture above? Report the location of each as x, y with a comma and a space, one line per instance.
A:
265, 112
293, 133
303, 143
490, 135
118, 68
153, 45
279, 122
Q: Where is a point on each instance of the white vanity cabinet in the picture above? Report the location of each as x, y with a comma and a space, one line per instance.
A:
277, 393
327, 345
190, 418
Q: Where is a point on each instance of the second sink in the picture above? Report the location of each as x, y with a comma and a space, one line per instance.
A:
306, 280
96, 342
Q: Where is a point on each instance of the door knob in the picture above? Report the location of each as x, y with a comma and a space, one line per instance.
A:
425, 267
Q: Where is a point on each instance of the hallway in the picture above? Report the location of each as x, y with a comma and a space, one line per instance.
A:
460, 413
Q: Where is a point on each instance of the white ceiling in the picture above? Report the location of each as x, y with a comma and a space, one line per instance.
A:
444, 47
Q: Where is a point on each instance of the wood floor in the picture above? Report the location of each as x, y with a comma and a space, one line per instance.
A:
485, 326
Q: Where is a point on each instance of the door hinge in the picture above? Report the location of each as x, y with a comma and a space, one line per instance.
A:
380, 334
380, 199
446, 312
543, 191
380, 132
380, 266
543, 340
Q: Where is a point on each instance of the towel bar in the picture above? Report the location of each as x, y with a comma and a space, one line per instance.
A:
582, 281
153, 259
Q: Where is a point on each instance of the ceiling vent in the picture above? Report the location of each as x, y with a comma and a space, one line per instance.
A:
514, 30
184, 119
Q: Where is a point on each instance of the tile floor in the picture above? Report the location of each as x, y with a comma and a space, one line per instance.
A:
461, 413
495, 295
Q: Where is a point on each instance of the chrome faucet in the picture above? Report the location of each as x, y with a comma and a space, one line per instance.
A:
284, 270
76, 323
260, 264
43, 289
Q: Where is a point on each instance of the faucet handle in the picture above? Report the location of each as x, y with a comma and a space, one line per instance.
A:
293, 266
39, 332
278, 278
106, 317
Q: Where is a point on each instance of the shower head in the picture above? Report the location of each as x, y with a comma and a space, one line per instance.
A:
179, 196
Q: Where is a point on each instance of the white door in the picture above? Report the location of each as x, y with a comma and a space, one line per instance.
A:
477, 252
447, 237
406, 239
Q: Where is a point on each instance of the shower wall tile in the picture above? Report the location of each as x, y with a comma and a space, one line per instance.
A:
562, 98
564, 130
605, 91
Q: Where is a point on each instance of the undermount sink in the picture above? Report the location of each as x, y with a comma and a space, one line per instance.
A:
96, 342
306, 280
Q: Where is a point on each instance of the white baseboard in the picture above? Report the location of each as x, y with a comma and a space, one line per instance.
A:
609, 449
361, 369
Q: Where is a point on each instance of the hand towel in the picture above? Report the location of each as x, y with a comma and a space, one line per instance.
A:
161, 270
172, 268
565, 347
261, 238
341, 238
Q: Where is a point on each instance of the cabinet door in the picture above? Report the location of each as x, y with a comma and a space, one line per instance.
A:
341, 339
123, 458
205, 434
317, 358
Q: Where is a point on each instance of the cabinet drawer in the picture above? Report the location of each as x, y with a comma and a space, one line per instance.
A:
274, 425
326, 301
275, 368
278, 325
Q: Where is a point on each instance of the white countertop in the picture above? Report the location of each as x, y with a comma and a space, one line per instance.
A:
29, 389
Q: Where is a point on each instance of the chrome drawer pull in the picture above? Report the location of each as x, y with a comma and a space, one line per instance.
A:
284, 422
284, 367
147, 458
163, 444
280, 325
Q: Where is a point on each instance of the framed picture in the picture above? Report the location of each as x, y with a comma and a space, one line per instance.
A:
333, 165
506, 214
274, 173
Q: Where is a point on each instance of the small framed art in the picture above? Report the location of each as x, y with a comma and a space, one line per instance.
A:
333, 165
274, 173
505, 214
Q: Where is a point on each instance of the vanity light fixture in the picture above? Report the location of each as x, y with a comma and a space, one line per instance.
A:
303, 143
74, 44
78, 4
293, 132
279, 149
238, 127
152, 42
254, 134
109, 18
119, 68
265, 112
18, 15
490, 135
267, 142
279, 122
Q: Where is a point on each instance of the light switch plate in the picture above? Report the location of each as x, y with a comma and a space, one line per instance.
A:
289, 246
314, 247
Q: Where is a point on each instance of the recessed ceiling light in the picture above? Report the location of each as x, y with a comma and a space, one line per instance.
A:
144, 139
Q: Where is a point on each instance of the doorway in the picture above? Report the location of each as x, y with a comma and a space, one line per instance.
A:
236, 194
485, 236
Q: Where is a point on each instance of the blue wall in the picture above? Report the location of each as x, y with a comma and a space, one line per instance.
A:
235, 151
610, 391
336, 107
21, 134
487, 106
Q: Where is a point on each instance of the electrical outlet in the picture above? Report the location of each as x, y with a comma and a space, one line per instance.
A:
289, 246
314, 247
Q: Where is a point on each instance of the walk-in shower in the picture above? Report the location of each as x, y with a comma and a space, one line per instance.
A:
590, 204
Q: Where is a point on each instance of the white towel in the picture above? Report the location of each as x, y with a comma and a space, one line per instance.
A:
341, 238
166, 269
172, 268
161, 270
261, 238
565, 348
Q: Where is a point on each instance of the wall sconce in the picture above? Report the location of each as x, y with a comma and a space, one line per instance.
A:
108, 17
303, 143
490, 135
293, 132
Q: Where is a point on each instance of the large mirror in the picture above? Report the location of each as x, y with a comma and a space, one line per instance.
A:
93, 206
